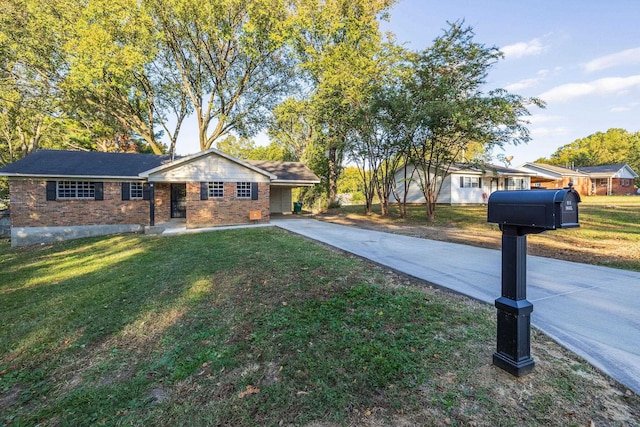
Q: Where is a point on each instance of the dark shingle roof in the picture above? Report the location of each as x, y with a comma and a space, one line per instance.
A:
61, 163
286, 171
603, 168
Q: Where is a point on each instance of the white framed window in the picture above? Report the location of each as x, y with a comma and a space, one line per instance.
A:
75, 190
136, 190
516, 184
626, 182
470, 182
243, 190
602, 182
216, 189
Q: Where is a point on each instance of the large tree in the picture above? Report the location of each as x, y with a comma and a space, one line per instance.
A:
230, 60
337, 41
111, 48
378, 142
31, 66
292, 126
452, 110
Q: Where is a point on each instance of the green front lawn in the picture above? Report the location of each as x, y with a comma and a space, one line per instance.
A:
261, 327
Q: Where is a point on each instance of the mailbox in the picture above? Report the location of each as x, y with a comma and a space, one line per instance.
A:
539, 209
519, 213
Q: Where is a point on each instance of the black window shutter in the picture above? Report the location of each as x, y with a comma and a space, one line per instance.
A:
99, 189
480, 182
126, 193
146, 191
51, 190
462, 182
254, 191
204, 190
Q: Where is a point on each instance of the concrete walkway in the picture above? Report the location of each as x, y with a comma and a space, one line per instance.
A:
592, 311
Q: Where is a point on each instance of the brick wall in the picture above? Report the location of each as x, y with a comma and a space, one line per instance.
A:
617, 187
30, 207
226, 210
163, 202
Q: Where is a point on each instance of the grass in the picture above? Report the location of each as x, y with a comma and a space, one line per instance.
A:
261, 327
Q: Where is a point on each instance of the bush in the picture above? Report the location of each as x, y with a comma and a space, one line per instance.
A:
4, 193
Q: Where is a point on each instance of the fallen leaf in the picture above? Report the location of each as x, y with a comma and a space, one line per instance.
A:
250, 390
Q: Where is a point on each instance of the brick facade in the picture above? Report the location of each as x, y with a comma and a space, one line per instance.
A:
226, 210
163, 202
30, 207
619, 186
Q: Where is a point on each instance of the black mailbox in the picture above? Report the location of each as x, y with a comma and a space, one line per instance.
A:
519, 213
543, 209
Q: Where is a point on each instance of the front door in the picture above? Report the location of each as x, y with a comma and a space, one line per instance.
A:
178, 200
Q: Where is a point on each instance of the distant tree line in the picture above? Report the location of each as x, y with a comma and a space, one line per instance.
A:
615, 146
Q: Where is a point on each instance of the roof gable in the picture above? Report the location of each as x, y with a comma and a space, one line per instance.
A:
182, 163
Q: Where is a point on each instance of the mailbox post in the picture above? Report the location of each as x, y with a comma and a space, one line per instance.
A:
520, 213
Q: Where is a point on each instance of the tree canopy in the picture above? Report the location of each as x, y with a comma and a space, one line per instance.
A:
318, 75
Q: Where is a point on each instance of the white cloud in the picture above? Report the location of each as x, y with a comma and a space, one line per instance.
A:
626, 57
522, 84
606, 86
518, 50
624, 108
527, 83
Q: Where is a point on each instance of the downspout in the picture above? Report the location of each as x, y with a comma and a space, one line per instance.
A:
152, 204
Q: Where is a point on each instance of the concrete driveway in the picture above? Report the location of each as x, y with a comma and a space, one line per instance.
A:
592, 311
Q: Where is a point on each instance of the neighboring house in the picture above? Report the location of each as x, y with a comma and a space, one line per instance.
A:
552, 177
608, 180
465, 184
597, 180
58, 195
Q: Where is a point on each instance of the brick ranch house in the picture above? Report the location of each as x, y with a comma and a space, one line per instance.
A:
608, 180
58, 195
604, 180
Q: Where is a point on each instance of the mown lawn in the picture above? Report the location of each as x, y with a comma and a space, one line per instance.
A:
262, 327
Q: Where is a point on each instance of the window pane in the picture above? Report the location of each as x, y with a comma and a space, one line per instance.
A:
76, 190
135, 189
216, 189
243, 190
470, 182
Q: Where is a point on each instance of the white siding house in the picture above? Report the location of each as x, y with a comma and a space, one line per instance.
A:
465, 184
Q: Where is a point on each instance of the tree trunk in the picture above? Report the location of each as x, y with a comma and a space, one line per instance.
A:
431, 210
333, 175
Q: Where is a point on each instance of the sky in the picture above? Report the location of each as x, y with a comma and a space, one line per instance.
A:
581, 57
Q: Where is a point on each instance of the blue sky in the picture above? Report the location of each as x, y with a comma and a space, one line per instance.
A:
581, 57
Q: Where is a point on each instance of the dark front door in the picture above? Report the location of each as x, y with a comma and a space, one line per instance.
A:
178, 200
